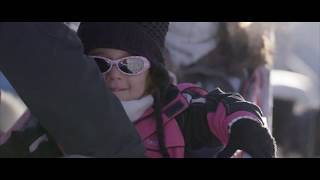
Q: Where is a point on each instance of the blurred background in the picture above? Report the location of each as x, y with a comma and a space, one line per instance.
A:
273, 64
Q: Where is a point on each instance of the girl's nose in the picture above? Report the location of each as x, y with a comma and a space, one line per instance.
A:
114, 73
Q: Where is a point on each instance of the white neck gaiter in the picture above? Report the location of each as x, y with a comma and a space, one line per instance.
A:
136, 108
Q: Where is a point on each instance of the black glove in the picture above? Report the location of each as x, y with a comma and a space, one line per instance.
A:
250, 137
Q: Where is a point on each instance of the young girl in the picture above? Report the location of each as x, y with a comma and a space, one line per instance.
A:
172, 121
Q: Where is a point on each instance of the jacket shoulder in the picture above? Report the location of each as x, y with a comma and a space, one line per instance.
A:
232, 102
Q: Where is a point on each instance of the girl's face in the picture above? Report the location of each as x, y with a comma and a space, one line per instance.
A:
125, 87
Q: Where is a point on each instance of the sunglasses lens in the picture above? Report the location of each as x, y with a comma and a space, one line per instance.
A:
102, 64
131, 65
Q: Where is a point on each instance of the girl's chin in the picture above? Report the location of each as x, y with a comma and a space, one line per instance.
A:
122, 96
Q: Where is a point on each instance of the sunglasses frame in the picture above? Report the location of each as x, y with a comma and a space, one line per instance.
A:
146, 63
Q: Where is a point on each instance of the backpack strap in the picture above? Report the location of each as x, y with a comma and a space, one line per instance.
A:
174, 139
147, 126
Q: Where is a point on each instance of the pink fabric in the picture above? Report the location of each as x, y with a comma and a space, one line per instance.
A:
184, 86
174, 142
173, 138
218, 124
146, 128
147, 125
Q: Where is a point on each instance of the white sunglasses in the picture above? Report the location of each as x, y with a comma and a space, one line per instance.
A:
131, 65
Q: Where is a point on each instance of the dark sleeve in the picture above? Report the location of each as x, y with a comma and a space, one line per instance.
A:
206, 123
63, 88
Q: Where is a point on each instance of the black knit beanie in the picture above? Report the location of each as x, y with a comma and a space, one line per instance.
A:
138, 38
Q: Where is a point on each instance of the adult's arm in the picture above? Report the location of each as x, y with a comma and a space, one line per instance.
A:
63, 88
